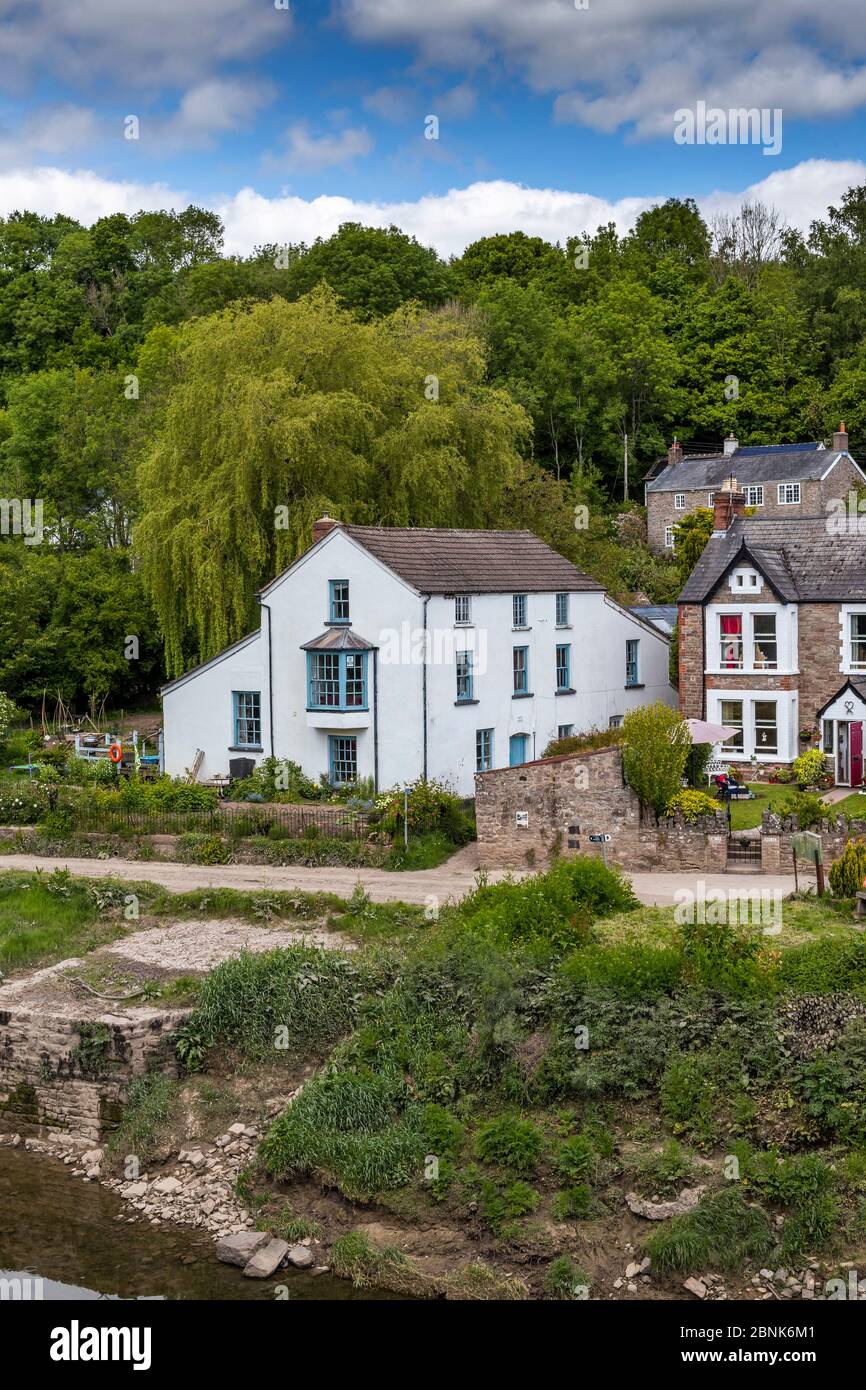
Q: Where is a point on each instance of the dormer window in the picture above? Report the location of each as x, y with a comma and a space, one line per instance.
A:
338, 592
788, 493
745, 581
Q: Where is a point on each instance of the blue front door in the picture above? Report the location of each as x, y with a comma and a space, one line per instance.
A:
517, 749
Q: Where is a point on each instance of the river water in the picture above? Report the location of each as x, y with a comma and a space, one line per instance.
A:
65, 1233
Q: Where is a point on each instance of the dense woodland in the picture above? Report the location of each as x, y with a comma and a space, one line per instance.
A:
185, 415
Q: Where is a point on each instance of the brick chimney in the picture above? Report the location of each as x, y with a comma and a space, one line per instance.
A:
322, 527
840, 439
728, 502
732, 443
675, 452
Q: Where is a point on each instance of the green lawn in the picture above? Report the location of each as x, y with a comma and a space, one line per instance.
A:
853, 805
44, 919
747, 814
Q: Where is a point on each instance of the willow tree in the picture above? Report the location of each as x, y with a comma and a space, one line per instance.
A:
280, 412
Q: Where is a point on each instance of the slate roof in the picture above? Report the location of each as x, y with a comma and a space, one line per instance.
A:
764, 463
338, 639
440, 561
662, 616
800, 560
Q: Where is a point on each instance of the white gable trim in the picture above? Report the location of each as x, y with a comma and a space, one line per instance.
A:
637, 620
214, 661
295, 566
851, 460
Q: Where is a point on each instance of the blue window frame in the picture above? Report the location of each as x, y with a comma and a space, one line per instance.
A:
247, 706
562, 610
563, 666
464, 676
632, 662
520, 668
342, 758
337, 680
517, 749
338, 600
483, 750
518, 610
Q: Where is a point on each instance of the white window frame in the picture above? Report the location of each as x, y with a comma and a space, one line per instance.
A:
755, 494
462, 604
669, 539
786, 638
679, 501
711, 500
846, 613
794, 499
787, 733
745, 581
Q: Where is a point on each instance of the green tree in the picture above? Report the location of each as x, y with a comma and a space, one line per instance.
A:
691, 534
284, 411
656, 746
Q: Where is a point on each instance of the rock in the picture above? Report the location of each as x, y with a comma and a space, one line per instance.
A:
617, 1283
239, 1249
631, 1270
168, 1186
632, 1288
250, 1133
237, 1129
267, 1259
300, 1256
697, 1287
645, 1264
663, 1211
92, 1159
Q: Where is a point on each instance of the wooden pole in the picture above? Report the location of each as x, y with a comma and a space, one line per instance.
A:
794, 857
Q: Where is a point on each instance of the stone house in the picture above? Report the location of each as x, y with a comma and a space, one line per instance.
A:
772, 637
778, 480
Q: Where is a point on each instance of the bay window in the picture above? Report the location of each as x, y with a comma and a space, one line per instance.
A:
766, 727
337, 680
731, 713
764, 644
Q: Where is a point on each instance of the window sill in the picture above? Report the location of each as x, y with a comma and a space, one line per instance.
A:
465, 702
521, 629
247, 748
465, 625
338, 622
566, 690
337, 709
522, 695
634, 685
564, 627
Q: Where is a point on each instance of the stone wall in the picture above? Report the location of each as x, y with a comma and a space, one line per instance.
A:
65, 1065
777, 832
527, 815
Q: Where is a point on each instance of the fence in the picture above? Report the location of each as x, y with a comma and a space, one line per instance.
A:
238, 821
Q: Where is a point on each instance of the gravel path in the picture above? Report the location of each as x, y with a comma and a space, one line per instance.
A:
452, 880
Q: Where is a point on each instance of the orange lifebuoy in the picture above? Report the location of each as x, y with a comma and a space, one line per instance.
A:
115, 752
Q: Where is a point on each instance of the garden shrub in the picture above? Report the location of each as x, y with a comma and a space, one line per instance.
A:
692, 804
631, 970
656, 745
848, 872
582, 743
553, 909
809, 767
807, 808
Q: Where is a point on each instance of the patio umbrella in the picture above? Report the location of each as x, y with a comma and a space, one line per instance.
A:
702, 732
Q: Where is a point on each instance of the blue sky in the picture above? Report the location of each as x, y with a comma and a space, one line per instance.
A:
553, 116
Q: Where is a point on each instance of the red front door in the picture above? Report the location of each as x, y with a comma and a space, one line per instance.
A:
856, 755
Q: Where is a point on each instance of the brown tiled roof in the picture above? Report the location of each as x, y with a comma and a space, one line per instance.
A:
800, 559
441, 561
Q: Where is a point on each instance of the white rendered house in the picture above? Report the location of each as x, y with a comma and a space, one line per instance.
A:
396, 653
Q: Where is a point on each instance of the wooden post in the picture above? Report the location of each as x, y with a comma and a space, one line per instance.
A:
819, 871
794, 857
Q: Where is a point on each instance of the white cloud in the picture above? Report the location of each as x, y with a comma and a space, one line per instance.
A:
448, 221
211, 108
49, 131
309, 153
177, 42
621, 62
391, 103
